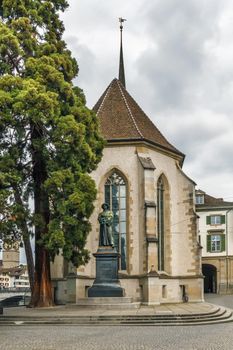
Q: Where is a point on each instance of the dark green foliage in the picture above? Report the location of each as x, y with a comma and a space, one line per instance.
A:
44, 122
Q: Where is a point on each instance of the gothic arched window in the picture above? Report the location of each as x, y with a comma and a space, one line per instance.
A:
160, 220
115, 196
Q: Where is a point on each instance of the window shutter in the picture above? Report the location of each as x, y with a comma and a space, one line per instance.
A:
208, 243
223, 243
208, 220
223, 219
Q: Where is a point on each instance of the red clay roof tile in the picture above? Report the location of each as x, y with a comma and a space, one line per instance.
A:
122, 119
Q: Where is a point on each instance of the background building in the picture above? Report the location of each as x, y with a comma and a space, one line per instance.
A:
14, 278
10, 254
216, 239
13, 275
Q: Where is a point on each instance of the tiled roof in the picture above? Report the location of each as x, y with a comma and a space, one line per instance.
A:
210, 201
121, 119
13, 271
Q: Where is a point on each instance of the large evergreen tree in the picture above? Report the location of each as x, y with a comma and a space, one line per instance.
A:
49, 139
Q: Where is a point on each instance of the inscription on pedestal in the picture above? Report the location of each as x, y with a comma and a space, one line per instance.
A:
106, 283
106, 270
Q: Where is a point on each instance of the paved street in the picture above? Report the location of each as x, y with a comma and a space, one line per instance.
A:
222, 300
47, 337
215, 337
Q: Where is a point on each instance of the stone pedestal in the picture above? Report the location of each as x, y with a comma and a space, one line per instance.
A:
106, 283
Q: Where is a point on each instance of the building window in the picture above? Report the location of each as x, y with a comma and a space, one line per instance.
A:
215, 243
115, 197
199, 199
215, 219
160, 206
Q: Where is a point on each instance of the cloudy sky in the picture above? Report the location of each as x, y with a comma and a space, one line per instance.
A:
179, 68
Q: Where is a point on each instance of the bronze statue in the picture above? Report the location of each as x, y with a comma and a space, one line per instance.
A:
105, 219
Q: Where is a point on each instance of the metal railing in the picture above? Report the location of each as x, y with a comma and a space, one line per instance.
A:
15, 290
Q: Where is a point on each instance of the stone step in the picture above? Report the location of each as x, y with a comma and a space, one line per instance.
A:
107, 303
216, 313
104, 300
130, 306
142, 323
222, 316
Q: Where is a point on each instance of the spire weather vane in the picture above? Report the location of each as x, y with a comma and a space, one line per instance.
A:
121, 63
121, 20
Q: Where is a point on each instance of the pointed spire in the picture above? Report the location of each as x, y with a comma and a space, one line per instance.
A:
121, 64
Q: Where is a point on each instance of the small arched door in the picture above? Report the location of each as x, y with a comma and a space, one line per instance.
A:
210, 278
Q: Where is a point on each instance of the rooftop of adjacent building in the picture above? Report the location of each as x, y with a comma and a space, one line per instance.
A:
14, 271
204, 200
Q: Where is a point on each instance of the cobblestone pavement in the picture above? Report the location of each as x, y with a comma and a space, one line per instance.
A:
222, 300
212, 337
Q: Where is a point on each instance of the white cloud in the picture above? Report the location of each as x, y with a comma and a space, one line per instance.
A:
179, 68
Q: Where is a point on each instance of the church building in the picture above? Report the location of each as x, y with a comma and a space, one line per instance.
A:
154, 226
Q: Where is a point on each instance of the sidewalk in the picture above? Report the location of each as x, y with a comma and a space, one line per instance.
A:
73, 310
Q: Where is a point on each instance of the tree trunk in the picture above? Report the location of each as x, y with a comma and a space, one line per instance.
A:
42, 291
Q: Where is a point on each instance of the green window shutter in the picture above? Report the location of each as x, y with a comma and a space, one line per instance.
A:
208, 220
208, 243
223, 245
223, 219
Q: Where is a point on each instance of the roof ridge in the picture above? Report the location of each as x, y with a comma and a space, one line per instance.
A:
107, 92
129, 110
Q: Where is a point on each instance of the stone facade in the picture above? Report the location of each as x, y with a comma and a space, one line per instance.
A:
142, 281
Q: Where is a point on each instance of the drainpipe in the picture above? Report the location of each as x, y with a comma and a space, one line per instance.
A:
227, 246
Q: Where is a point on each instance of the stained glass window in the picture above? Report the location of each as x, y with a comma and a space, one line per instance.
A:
160, 216
115, 196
